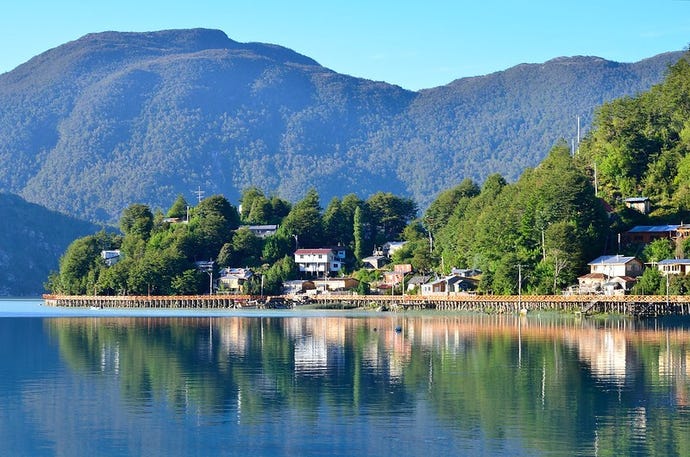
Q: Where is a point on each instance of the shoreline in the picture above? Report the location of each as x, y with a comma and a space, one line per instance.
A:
629, 305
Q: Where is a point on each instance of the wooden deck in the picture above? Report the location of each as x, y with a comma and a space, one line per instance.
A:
632, 305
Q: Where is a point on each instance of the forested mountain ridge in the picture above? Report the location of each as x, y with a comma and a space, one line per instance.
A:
112, 118
640, 146
32, 239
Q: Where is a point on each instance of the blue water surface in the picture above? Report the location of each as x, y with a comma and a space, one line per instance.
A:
84, 382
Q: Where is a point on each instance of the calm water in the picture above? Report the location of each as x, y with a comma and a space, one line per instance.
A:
102, 383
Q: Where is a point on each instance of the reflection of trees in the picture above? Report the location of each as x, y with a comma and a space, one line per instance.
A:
543, 382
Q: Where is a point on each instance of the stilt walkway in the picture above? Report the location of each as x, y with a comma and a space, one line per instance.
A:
632, 305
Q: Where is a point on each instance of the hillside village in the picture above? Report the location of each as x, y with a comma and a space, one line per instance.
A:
321, 269
605, 217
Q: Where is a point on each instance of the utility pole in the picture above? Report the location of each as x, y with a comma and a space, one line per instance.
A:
519, 267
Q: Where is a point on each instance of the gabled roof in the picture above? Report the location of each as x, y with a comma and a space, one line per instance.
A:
313, 251
612, 260
421, 279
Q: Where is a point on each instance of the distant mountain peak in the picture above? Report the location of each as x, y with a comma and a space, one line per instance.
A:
119, 117
576, 60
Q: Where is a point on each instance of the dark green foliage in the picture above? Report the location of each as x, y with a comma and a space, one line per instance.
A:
114, 118
639, 146
137, 221
212, 225
548, 224
281, 271
358, 235
258, 209
657, 250
388, 215
179, 208
247, 249
650, 283
81, 264
305, 222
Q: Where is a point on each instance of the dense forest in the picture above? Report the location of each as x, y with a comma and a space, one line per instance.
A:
113, 118
547, 225
158, 255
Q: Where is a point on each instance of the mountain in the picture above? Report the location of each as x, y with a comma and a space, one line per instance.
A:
114, 118
32, 239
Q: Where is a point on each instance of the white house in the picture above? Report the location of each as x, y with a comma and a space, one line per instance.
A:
616, 265
610, 275
320, 261
674, 266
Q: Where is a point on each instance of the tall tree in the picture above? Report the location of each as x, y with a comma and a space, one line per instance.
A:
304, 221
358, 235
179, 208
389, 215
137, 220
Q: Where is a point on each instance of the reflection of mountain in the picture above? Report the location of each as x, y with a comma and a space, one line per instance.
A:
472, 372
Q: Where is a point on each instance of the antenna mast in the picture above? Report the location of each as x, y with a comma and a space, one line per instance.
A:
199, 194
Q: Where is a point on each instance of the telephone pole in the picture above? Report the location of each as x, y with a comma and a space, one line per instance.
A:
519, 267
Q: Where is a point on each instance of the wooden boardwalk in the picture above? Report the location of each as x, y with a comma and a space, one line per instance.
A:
632, 305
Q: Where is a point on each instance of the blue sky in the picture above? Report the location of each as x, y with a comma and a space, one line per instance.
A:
413, 44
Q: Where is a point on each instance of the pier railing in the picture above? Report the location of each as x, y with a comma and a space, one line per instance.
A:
634, 305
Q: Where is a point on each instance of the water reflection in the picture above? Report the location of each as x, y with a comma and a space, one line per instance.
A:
519, 386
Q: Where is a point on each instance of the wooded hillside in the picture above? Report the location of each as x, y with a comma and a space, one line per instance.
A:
113, 118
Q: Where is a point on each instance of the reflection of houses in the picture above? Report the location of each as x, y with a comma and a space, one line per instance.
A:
674, 266
605, 352
111, 257
319, 262
610, 275
234, 279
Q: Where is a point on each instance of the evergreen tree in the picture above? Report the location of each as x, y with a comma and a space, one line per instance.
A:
358, 236
179, 208
305, 222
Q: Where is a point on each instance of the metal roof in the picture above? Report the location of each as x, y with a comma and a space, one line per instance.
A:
654, 228
674, 262
611, 259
